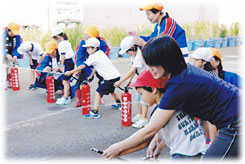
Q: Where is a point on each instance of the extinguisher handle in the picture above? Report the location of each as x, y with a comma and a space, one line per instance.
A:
126, 88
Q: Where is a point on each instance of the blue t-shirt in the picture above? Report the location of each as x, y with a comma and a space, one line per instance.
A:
232, 78
202, 95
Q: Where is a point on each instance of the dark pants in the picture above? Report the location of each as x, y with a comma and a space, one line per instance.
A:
225, 145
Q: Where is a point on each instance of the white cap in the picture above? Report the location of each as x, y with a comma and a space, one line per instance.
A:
202, 53
92, 42
126, 44
56, 32
24, 48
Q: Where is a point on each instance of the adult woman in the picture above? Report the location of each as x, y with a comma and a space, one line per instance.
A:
165, 25
191, 90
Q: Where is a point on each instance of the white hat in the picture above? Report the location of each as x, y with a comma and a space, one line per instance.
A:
126, 44
56, 32
202, 53
24, 48
92, 42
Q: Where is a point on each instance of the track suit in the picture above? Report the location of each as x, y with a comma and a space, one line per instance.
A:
169, 26
10, 44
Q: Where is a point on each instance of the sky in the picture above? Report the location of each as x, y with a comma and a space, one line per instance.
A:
36, 11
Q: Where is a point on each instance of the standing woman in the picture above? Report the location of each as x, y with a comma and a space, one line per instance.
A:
229, 77
67, 64
165, 25
192, 90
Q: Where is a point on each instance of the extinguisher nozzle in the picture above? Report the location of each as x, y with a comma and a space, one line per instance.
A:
96, 150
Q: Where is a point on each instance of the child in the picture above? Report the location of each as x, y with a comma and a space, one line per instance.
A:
105, 68
195, 92
34, 51
82, 55
67, 64
176, 134
138, 65
50, 62
229, 77
11, 40
201, 58
165, 25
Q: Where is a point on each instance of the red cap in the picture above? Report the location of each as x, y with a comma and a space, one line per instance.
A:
145, 79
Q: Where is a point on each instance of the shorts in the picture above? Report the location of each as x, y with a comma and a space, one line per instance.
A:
69, 65
35, 63
107, 86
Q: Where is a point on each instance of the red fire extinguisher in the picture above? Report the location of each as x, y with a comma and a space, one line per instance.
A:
15, 79
85, 98
126, 108
50, 89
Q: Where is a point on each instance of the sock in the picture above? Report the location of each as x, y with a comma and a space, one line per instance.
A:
207, 140
145, 119
95, 111
140, 115
118, 102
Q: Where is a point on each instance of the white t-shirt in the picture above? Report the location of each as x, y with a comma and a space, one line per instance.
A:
138, 61
64, 48
54, 63
102, 65
183, 135
36, 51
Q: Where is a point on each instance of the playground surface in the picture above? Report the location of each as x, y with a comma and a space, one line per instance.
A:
36, 130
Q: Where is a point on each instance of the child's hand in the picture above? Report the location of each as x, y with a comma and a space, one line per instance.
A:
133, 34
68, 73
47, 69
117, 84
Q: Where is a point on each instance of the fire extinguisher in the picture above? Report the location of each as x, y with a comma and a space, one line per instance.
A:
50, 89
15, 79
126, 107
85, 97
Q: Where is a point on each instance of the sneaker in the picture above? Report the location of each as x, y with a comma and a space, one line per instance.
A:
136, 118
116, 106
30, 87
92, 115
140, 123
63, 101
34, 88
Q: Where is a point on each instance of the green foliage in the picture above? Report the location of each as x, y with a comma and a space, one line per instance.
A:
198, 29
206, 29
234, 29
216, 30
223, 31
74, 35
144, 30
114, 35
188, 29
31, 34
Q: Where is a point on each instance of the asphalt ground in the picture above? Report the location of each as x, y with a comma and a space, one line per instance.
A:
36, 130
